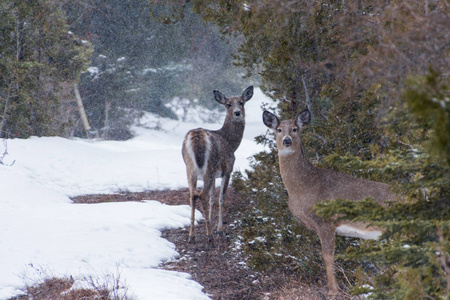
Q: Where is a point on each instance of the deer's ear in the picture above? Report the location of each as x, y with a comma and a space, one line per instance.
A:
303, 118
219, 97
270, 120
248, 93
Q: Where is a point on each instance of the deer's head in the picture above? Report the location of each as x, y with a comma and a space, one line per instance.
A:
235, 105
287, 132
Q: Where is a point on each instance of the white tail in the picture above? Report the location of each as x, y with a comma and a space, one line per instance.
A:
308, 185
209, 154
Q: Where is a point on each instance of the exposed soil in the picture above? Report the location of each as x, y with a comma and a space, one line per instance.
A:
219, 266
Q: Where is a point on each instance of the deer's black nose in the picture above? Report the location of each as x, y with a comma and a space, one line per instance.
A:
237, 113
287, 142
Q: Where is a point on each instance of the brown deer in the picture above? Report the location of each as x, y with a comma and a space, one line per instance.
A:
209, 154
307, 185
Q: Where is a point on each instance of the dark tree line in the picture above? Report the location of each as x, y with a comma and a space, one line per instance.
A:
142, 63
35, 76
123, 58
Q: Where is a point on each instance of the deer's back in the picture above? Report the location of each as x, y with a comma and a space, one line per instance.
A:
206, 149
337, 185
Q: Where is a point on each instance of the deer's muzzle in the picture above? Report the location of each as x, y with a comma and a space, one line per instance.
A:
287, 142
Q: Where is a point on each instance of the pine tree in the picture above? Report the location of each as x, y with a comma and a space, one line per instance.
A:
142, 63
414, 251
40, 59
363, 68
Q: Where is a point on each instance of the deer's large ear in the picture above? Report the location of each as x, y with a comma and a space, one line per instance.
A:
270, 120
248, 93
303, 118
219, 97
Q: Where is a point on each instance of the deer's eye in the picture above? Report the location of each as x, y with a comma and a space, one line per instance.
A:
294, 130
228, 105
279, 130
241, 103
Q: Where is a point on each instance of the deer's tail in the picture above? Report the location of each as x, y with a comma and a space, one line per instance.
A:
198, 146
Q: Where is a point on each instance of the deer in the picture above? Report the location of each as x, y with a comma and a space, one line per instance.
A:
209, 154
307, 185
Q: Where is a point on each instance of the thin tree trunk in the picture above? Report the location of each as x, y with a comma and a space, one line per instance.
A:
83, 115
308, 100
5, 110
106, 125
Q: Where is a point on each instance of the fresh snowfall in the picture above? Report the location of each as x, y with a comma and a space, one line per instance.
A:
43, 234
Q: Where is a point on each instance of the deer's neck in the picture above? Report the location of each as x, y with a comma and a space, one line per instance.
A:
296, 172
232, 132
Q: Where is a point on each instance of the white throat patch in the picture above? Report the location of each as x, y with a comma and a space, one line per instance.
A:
285, 151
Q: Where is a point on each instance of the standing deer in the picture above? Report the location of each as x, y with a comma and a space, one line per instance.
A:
209, 154
307, 185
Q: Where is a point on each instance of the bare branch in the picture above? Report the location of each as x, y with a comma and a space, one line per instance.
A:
308, 100
5, 152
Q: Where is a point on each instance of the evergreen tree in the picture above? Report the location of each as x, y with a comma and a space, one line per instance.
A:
362, 68
141, 63
40, 61
414, 251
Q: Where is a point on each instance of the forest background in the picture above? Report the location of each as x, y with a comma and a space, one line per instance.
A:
375, 75
122, 60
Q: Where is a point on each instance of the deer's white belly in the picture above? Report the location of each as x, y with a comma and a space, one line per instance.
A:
201, 175
347, 230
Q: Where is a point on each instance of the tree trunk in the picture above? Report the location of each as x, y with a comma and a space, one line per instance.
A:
83, 115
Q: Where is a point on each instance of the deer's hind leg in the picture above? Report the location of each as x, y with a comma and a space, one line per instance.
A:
208, 182
193, 196
211, 200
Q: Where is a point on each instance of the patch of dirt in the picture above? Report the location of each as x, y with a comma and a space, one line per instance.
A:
219, 266
170, 197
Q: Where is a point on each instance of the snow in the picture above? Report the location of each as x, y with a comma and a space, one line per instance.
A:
42, 231
93, 70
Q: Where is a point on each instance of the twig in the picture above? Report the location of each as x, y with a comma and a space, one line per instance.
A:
4, 154
407, 145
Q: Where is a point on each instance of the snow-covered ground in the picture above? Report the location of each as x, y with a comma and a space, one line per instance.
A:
43, 234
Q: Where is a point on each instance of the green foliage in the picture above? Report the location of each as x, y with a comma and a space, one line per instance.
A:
414, 250
105, 92
429, 100
143, 61
40, 61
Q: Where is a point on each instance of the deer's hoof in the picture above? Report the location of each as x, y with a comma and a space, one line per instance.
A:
333, 295
191, 239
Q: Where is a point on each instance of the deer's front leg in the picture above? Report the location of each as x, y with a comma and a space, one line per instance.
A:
327, 237
223, 190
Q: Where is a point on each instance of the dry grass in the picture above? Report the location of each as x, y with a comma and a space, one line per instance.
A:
49, 287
